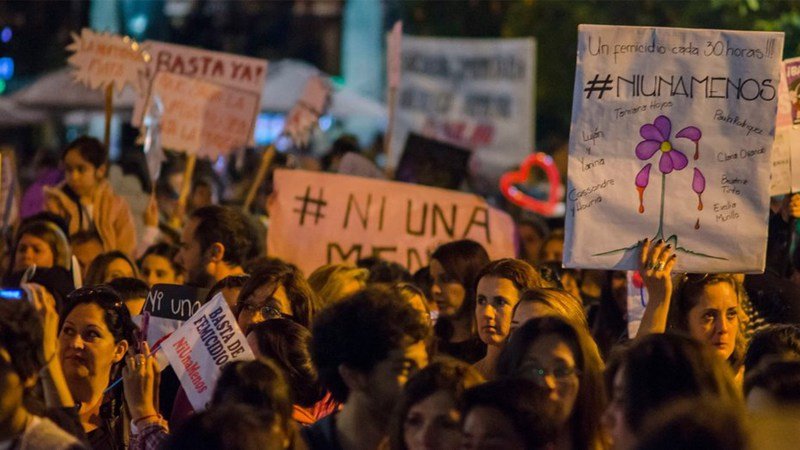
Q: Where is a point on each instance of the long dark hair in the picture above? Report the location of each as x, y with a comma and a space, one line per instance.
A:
585, 426
462, 261
447, 375
93, 151
288, 343
118, 320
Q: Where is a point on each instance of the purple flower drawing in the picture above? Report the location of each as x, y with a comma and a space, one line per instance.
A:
656, 137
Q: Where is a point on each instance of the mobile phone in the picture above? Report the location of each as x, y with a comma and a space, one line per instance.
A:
12, 294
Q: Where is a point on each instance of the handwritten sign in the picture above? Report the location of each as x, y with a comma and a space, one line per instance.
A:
670, 139
792, 73
304, 115
474, 93
169, 305
203, 118
206, 342
781, 173
318, 218
101, 59
242, 74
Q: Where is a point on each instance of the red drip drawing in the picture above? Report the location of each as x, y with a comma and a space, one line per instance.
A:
641, 199
697, 224
699, 202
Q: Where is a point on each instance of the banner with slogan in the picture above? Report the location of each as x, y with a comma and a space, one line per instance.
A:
318, 218
792, 73
169, 305
781, 180
240, 80
102, 59
670, 139
203, 118
199, 349
474, 93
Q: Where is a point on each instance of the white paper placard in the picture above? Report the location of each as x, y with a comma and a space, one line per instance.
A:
670, 139
199, 349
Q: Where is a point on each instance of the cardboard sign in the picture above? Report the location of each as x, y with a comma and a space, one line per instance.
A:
474, 93
203, 118
781, 172
792, 73
169, 305
206, 342
242, 74
319, 218
304, 115
670, 139
101, 59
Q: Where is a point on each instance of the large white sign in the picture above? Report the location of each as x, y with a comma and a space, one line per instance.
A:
319, 218
202, 345
474, 93
241, 77
670, 139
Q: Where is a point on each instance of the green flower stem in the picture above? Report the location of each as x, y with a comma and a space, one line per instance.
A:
660, 232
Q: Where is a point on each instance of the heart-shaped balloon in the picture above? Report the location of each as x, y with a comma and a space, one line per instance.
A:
523, 200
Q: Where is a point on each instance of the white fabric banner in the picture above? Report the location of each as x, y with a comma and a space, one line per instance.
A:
320, 218
670, 139
474, 93
202, 345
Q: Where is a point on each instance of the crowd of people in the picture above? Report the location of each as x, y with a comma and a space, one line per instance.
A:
468, 352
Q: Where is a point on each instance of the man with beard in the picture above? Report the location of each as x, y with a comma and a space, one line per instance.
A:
365, 347
215, 242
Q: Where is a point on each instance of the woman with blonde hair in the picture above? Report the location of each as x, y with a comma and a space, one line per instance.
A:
333, 282
540, 302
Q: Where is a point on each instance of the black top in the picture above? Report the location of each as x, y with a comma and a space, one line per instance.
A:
322, 434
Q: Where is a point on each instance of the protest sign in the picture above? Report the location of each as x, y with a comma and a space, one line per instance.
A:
670, 139
475, 93
199, 349
432, 163
240, 74
304, 115
169, 305
105, 59
792, 73
781, 172
319, 218
201, 118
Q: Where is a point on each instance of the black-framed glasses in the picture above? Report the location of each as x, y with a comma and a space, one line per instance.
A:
268, 312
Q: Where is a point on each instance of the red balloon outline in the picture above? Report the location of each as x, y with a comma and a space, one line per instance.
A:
519, 198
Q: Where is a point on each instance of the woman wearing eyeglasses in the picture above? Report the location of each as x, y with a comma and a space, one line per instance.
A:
708, 307
276, 291
563, 359
94, 332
